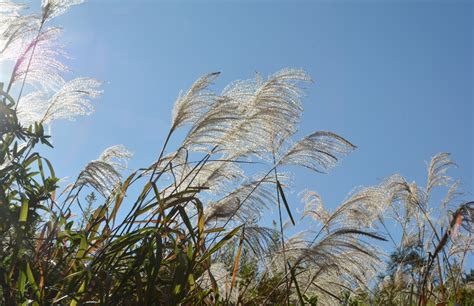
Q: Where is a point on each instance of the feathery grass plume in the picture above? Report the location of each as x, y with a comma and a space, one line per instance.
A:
410, 239
404, 194
267, 109
318, 151
452, 193
365, 206
337, 261
208, 130
429, 229
350, 271
466, 217
9, 8
99, 175
360, 209
217, 176
293, 249
279, 94
32, 107
248, 115
55, 8
25, 40
192, 105
338, 255
437, 170
343, 253
45, 69
463, 243
72, 100
258, 239
116, 156
15, 29
255, 202
36, 54
103, 174
314, 207
245, 136
222, 277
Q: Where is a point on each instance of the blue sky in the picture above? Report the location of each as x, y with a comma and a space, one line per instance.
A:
393, 77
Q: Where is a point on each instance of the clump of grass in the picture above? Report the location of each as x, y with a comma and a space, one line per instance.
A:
186, 229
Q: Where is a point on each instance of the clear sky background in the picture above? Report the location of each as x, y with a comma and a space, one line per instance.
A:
393, 77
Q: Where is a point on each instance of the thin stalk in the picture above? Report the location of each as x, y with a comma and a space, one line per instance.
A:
161, 153
28, 66
282, 233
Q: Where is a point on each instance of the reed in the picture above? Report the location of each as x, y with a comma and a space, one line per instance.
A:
187, 228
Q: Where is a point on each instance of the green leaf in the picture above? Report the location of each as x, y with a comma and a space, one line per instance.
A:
186, 221
22, 283
32, 281
280, 190
293, 277
145, 209
40, 167
80, 291
24, 210
218, 245
214, 230
50, 167
82, 247
120, 196
46, 142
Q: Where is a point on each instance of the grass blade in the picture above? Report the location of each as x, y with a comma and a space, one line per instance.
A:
293, 277
280, 190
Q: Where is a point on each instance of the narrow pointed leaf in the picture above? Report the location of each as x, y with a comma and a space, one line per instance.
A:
280, 190
237, 258
293, 277
223, 241
24, 210
187, 222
